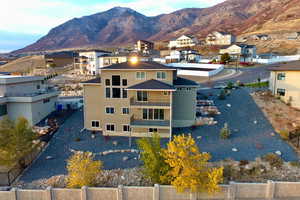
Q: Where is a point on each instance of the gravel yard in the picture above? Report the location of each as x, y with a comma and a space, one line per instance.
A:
250, 139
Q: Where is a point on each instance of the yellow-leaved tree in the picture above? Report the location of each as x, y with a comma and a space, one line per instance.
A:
189, 170
82, 170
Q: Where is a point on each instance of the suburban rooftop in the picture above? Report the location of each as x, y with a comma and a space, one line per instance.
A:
149, 65
291, 66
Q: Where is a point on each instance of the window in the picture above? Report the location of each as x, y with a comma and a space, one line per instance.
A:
142, 96
95, 124
125, 111
110, 127
281, 92
126, 128
281, 76
38, 87
166, 93
46, 100
110, 110
116, 80
153, 114
116, 93
3, 110
107, 82
124, 93
107, 93
124, 82
161, 75
140, 75
152, 130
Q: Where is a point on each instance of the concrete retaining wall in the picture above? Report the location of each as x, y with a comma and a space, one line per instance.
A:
233, 191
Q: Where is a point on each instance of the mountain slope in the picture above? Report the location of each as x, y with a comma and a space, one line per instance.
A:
123, 25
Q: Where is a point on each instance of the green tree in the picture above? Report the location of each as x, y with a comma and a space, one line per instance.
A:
16, 141
189, 170
155, 168
225, 58
82, 170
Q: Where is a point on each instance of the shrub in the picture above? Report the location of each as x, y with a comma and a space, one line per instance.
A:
222, 95
82, 170
284, 134
230, 85
273, 159
295, 164
225, 132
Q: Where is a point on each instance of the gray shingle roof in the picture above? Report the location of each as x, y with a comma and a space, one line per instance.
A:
139, 66
184, 81
95, 80
291, 66
151, 85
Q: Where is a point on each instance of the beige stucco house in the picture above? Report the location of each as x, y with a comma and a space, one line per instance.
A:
183, 41
26, 96
138, 99
285, 82
220, 38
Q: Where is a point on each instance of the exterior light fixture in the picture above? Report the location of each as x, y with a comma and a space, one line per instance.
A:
134, 60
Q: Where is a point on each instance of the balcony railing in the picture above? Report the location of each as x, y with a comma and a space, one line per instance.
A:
135, 122
30, 94
159, 102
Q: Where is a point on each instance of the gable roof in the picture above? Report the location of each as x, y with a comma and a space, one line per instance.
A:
183, 81
152, 85
149, 65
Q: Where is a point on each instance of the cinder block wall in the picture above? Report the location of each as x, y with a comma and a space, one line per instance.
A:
233, 191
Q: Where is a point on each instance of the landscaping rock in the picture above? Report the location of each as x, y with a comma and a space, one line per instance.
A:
93, 136
115, 143
199, 137
255, 122
234, 149
278, 153
49, 158
228, 105
272, 134
125, 158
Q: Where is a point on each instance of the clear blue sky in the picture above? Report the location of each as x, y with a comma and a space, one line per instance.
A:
37, 17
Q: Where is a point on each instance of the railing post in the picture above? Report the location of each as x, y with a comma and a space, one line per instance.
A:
49, 193
120, 192
84, 192
232, 190
156, 192
14, 193
270, 192
193, 196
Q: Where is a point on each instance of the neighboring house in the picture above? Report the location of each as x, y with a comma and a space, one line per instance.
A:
138, 99
60, 59
285, 83
244, 52
293, 36
267, 56
263, 37
189, 56
144, 46
26, 96
183, 41
220, 38
89, 61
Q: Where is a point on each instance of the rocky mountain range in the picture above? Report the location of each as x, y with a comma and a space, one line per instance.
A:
119, 26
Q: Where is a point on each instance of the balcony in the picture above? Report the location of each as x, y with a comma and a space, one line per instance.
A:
150, 103
162, 124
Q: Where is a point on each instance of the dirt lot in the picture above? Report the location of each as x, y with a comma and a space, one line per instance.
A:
283, 118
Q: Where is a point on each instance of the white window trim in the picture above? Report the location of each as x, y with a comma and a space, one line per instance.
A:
109, 130
123, 128
122, 111
161, 75
110, 107
141, 78
95, 121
